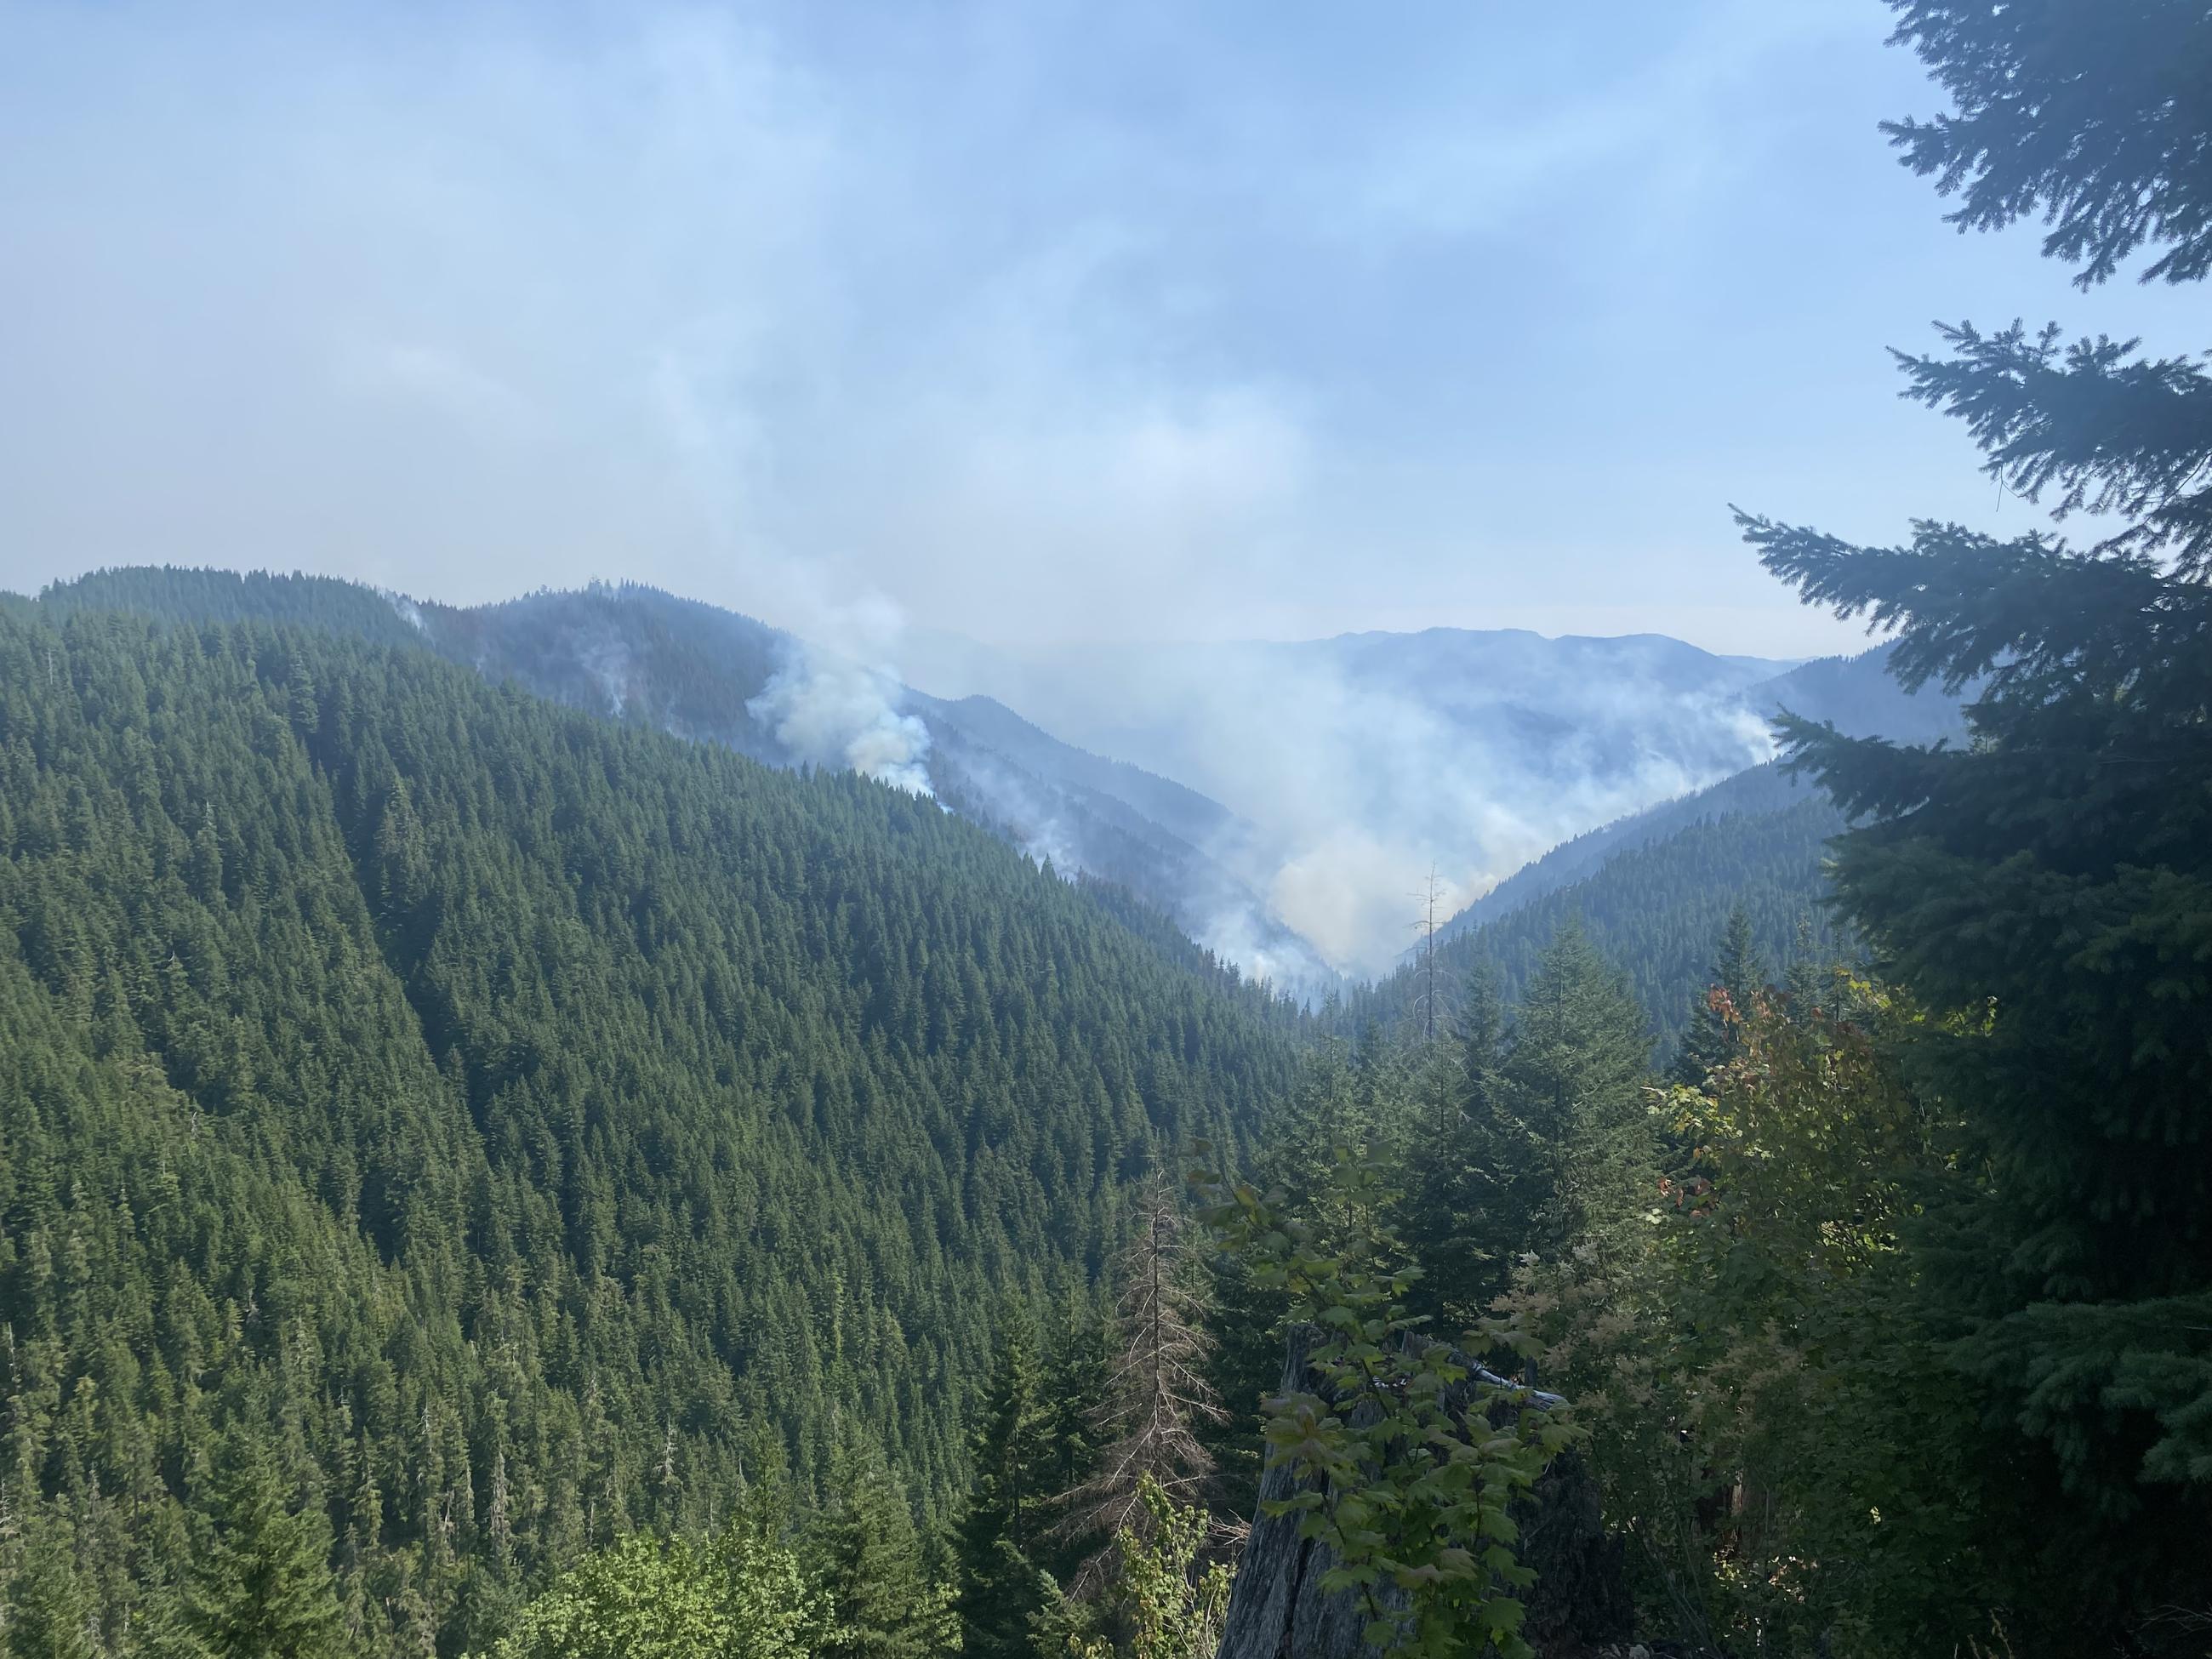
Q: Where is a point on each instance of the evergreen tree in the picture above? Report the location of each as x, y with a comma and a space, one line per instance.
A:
1474, 1176
47, 1613
1575, 1080
1000, 1589
2046, 890
1073, 1386
1737, 973
263, 1589
865, 1564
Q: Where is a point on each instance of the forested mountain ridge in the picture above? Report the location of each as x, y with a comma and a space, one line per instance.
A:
1654, 909
701, 671
1859, 696
525, 1123
1654, 888
1756, 791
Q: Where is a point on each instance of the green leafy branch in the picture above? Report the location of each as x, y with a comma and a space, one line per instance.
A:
1408, 1458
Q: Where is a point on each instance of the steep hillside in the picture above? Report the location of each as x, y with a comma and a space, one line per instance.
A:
1756, 791
526, 1122
652, 660
1655, 886
1654, 905
1859, 695
1366, 759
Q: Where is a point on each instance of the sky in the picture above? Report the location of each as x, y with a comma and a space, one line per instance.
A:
1034, 321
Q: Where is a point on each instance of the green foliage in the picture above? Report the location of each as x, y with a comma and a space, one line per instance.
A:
1478, 1178
646, 1598
48, 1615
525, 1128
2046, 890
261, 1588
1771, 1415
1653, 910
866, 1569
1414, 1506
1574, 1077
1736, 975
1163, 1603
177, 594
1001, 1592
2093, 115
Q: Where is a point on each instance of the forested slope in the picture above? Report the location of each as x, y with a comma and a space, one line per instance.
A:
523, 1122
1656, 907
652, 659
1755, 791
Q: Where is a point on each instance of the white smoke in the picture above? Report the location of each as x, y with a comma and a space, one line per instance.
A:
828, 710
1367, 762
409, 612
608, 661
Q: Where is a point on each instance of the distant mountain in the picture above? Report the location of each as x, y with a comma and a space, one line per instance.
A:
1857, 694
1368, 759
651, 659
1757, 791
1655, 887
1280, 802
1655, 905
1860, 695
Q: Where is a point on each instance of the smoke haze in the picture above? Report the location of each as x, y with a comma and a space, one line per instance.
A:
1049, 324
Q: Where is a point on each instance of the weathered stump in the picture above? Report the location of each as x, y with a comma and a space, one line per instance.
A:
1579, 1602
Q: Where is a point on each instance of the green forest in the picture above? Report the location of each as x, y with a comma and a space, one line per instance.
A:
482, 1179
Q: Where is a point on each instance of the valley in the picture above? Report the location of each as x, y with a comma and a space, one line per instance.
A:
975, 832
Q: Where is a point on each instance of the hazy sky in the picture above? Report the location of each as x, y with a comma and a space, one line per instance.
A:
1046, 321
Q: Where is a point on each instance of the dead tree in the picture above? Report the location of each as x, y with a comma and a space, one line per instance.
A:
1156, 1389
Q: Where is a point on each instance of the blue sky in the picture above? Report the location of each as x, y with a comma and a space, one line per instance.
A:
1034, 321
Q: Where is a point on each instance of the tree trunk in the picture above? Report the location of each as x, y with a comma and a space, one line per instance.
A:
1579, 1602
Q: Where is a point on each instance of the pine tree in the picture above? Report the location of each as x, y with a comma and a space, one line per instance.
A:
1470, 1187
1575, 1080
1000, 1589
48, 1615
2046, 890
866, 1558
1158, 1392
1073, 1385
1737, 973
264, 1588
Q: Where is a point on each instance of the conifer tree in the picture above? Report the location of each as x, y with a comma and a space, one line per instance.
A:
1001, 1589
1472, 1184
1738, 973
2046, 890
47, 1613
1073, 1384
1575, 1078
1157, 1393
263, 1589
866, 1558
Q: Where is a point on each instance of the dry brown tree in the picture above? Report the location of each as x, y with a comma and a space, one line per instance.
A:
1156, 1389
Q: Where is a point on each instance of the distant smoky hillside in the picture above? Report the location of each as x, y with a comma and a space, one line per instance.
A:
1654, 888
644, 657
1654, 904
1857, 694
1367, 759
